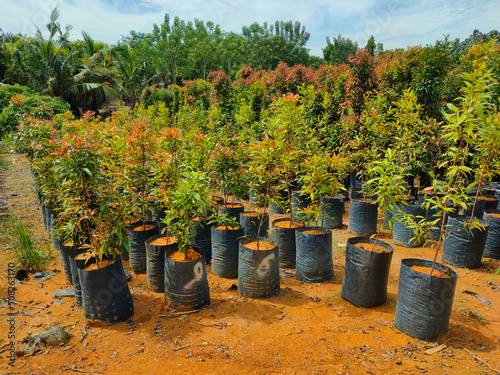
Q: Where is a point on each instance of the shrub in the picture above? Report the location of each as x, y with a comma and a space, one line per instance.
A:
152, 95
24, 102
221, 84
7, 91
196, 93
429, 78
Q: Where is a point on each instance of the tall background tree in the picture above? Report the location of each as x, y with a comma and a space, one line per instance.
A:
338, 50
203, 42
268, 45
169, 48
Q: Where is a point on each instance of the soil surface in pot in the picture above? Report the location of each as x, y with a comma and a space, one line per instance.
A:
98, 265
231, 205
200, 219
306, 329
428, 190
286, 224
370, 247
262, 245
435, 272
488, 199
313, 231
131, 221
226, 227
142, 228
189, 257
83, 256
364, 200
162, 241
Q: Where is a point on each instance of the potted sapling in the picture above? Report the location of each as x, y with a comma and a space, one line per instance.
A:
368, 260
258, 267
225, 165
186, 283
136, 169
166, 178
94, 215
290, 137
468, 252
226, 234
427, 288
314, 262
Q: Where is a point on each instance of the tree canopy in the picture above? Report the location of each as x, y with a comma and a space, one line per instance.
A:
87, 73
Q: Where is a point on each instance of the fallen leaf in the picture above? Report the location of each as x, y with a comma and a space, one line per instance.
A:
435, 350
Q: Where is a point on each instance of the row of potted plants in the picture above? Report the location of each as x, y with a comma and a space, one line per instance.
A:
104, 181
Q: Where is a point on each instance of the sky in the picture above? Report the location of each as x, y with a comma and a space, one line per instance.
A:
395, 23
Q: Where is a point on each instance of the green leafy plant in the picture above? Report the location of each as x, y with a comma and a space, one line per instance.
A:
223, 219
319, 179
188, 201
391, 192
4, 164
226, 169
165, 166
18, 103
469, 125
496, 273
265, 156
492, 280
290, 137
487, 123
93, 211
31, 252
388, 184
137, 165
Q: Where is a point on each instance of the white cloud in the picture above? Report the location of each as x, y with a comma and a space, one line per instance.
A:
104, 24
396, 23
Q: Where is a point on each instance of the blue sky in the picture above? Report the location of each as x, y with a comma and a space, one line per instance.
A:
395, 23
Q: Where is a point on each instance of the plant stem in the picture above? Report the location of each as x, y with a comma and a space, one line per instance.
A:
143, 187
441, 230
289, 192
443, 217
266, 199
479, 185
323, 209
379, 229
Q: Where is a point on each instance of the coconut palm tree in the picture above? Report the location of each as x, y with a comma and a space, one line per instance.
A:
131, 76
79, 72
94, 81
48, 63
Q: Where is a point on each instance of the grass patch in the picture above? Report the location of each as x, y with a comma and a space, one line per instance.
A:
4, 164
32, 253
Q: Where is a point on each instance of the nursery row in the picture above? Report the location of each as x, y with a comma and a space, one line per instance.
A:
95, 179
234, 253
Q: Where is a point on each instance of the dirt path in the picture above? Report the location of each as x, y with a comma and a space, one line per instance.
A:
307, 329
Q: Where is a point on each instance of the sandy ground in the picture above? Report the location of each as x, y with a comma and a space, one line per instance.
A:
307, 329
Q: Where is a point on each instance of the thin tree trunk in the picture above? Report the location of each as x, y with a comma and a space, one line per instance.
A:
479, 186
263, 212
174, 76
443, 217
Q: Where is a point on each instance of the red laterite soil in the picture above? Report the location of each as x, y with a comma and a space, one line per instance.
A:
307, 329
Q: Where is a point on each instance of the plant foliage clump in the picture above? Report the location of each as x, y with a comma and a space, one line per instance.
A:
32, 253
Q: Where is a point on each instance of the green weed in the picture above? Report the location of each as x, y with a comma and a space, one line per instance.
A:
32, 253
496, 273
465, 311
